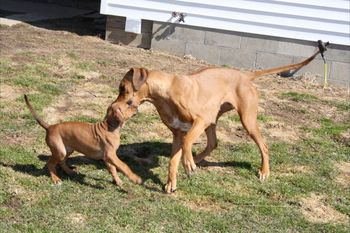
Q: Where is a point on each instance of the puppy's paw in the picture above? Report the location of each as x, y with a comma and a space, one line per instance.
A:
57, 182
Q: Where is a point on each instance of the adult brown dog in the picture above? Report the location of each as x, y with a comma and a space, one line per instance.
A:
191, 104
97, 141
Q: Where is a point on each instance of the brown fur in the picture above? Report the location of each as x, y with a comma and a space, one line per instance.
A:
96, 141
191, 104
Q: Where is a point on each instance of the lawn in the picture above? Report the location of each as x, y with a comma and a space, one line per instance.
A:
70, 77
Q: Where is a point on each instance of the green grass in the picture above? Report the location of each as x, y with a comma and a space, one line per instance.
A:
295, 96
340, 105
261, 117
305, 97
85, 119
239, 201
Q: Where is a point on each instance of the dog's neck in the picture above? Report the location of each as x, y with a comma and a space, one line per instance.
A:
115, 128
159, 84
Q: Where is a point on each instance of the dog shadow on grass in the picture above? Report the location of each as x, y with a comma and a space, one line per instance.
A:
143, 157
140, 157
33, 170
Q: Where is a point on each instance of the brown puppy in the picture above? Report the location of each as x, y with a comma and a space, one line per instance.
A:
191, 104
96, 141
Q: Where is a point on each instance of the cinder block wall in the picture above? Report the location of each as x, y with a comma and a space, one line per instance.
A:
236, 49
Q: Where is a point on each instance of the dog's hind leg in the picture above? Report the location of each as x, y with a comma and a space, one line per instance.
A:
70, 170
248, 111
212, 143
58, 151
56, 158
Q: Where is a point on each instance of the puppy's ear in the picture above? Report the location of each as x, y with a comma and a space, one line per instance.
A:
139, 77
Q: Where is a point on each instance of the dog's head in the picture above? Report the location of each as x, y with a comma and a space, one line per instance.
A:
133, 90
114, 117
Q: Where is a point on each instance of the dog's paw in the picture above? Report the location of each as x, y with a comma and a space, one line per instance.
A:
263, 175
137, 180
189, 166
57, 182
169, 188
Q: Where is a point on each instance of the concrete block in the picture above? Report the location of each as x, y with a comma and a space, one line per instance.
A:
146, 26
175, 47
204, 52
189, 34
259, 44
340, 71
239, 58
163, 31
115, 22
314, 67
222, 38
178, 32
270, 60
295, 49
338, 53
119, 36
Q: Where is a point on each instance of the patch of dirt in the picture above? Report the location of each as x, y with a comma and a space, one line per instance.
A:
204, 205
9, 93
147, 108
280, 131
316, 210
89, 100
76, 219
14, 203
290, 171
344, 177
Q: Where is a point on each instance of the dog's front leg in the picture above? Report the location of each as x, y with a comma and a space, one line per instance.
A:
176, 153
110, 157
196, 130
113, 170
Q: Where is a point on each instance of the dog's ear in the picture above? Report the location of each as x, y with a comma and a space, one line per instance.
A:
139, 77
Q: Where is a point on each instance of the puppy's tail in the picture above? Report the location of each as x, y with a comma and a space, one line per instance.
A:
283, 68
35, 115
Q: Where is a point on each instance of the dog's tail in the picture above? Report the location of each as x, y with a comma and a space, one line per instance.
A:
283, 68
35, 115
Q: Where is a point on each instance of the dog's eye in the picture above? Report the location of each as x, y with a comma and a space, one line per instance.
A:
129, 102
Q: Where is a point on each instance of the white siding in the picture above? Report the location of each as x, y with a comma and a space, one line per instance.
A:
328, 20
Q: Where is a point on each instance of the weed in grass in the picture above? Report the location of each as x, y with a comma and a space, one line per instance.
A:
340, 105
329, 131
295, 96
234, 117
261, 117
84, 66
78, 77
84, 119
72, 55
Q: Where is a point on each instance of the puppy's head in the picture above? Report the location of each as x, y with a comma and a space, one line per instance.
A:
114, 117
133, 90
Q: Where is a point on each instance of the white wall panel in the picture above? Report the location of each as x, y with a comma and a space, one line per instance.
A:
298, 19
